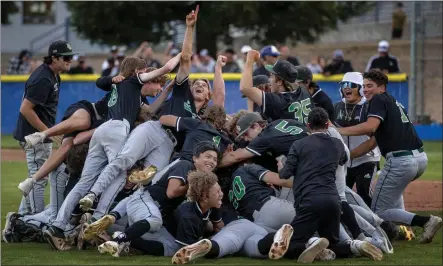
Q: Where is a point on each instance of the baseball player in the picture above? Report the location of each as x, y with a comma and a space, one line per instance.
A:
261, 82
319, 97
313, 162
274, 138
253, 198
285, 101
350, 112
403, 149
123, 107
37, 113
190, 219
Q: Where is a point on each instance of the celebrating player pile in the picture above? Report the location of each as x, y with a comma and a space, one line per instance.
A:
177, 178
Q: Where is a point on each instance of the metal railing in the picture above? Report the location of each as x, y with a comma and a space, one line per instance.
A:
60, 31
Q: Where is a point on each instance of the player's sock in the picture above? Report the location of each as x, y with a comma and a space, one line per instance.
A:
264, 244
419, 220
137, 229
215, 250
149, 247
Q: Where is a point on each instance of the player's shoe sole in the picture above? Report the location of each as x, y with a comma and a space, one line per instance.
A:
405, 233
56, 243
430, 229
143, 177
86, 202
192, 252
368, 250
325, 255
281, 242
313, 250
97, 227
8, 227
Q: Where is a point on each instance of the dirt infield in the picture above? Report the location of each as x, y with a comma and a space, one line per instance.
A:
419, 196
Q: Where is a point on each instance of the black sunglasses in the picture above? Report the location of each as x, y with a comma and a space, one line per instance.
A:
66, 58
348, 84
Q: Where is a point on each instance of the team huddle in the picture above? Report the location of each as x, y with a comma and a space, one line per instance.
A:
180, 178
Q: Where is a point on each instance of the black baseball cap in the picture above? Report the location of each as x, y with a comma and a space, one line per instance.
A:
284, 70
246, 121
304, 73
60, 48
257, 81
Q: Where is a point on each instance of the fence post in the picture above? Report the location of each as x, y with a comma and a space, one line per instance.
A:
412, 81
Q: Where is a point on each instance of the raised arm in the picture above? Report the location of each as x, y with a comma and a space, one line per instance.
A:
140, 49
168, 67
105, 83
185, 60
246, 85
148, 111
168, 120
218, 97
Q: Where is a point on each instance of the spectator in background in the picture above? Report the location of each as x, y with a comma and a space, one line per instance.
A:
338, 65
268, 56
231, 66
383, 61
398, 21
21, 64
322, 62
112, 69
285, 55
203, 63
81, 67
314, 65
144, 51
114, 52
242, 60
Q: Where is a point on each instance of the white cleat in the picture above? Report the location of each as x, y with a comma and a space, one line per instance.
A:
87, 201
34, 139
113, 248
325, 255
281, 242
26, 186
313, 250
192, 252
430, 229
364, 248
381, 240
8, 226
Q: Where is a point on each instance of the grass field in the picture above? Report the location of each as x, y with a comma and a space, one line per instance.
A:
41, 254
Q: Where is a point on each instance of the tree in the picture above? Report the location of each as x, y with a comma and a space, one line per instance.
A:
8, 8
269, 22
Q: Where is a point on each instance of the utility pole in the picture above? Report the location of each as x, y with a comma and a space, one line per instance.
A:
412, 80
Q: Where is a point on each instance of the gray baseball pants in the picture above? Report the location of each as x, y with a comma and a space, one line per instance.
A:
274, 214
35, 158
240, 237
397, 173
148, 140
106, 142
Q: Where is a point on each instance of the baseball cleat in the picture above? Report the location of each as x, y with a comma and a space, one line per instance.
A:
382, 241
145, 176
391, 229
87, 201
7, 231
325, 255
192, 252
405, 233
313, 250
26, 186
281, 242
113, 248
430, 229
99, 226
56, 239
34, 139
364, 248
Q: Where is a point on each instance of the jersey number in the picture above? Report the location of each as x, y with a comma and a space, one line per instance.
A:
113, 97
301, 110
216, 140
237, 191
293, 130
404, 117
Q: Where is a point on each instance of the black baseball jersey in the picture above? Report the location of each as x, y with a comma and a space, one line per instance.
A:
277, 137
248, 191
158, 191
287, 105
321, 99
313, 161
395, 132
125, 100
197, 131
41, 89
190, 222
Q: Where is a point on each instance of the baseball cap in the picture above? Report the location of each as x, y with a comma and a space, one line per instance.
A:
60, 48
338, 53
259, 80
270, 50
354, 77
245, 49
304, 73
246, 121
383, 46
284, 70
204, 52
